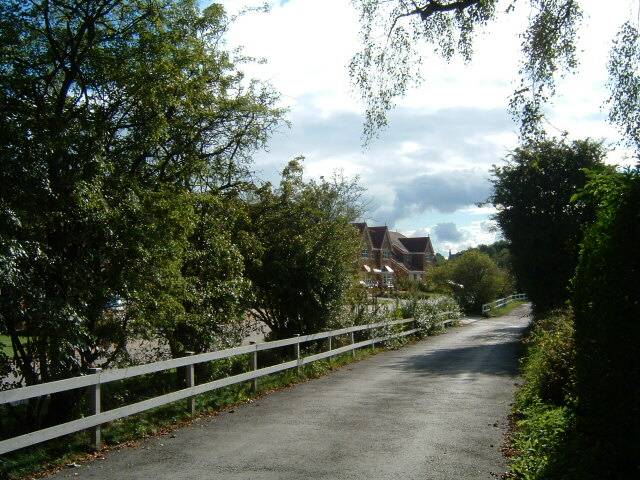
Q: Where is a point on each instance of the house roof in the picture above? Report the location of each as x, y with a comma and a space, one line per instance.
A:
377, 236
415, 244
395, 241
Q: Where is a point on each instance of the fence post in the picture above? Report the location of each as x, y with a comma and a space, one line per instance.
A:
372, 336
254, 382
353, 350
297, 335
191, 382
94, 404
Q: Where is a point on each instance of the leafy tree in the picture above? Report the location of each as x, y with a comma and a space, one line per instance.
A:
396, 34
473, 278
307, 261
125, 125
533, 196
606, 301
498, 251
211, 303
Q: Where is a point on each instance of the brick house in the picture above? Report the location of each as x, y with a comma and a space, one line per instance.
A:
366, 260
387, 255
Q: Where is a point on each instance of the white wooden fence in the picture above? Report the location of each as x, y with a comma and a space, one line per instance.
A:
94, 380
501, 302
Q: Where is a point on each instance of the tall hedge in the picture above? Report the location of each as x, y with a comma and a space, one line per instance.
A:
606, 298
532, 194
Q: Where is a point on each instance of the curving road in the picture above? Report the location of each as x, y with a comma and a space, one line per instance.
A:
432, 410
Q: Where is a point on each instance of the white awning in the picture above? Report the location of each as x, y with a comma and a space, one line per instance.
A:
367, 268
375, 270
388, 268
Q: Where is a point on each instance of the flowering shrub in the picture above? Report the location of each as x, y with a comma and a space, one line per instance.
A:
429, 314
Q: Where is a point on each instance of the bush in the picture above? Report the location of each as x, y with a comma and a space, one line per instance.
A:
548, 366
473, 278
540, 441
545, 438
305, 268
606, 299
428, 314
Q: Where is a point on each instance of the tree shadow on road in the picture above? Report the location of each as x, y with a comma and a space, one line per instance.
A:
497, 354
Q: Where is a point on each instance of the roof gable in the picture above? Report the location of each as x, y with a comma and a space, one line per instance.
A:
395, 237
378, 235
416, 244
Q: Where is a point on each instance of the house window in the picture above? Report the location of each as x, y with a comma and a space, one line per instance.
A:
365, 253
385, 254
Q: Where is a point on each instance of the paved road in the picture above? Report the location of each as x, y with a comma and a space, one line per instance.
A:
433, 410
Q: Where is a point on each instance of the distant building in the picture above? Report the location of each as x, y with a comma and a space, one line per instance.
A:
387, 256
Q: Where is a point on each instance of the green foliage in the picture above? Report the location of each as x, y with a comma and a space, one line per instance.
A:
499, 253
388, 63
125, 138
533, 196
624, 83
546, 440
428, 314
606, 299
306, 266
506, 310
216, 292
548, 366
396, 34
473, 279
541, 442
543, 403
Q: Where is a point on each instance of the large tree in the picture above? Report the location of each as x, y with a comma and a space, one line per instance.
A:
125, 124
533, 193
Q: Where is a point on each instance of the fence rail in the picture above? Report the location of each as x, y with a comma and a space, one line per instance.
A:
93, 381
501, 302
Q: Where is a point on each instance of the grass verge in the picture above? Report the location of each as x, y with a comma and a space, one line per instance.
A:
511, 306
46, 458
544, 443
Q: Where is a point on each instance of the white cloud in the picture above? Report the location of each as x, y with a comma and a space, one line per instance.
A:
431, 164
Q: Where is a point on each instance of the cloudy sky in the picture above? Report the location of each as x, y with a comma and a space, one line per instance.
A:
429, 168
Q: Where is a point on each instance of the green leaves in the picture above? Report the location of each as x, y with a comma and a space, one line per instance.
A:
394, 35
605, 299
126, 137
624, 83
308, 251
533, 194
473, 278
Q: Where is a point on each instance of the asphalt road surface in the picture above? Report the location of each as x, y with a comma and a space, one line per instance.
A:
433, 410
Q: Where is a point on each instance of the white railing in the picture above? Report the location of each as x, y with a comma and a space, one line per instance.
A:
94, 380
501, 302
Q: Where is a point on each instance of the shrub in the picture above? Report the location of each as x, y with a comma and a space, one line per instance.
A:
473, 278
548, 366
540, 440
545, 438
606, 299
428, 314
